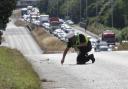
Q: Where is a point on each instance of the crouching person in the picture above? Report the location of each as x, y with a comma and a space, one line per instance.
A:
83, 45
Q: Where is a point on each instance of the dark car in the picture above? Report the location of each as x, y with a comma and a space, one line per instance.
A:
1, 33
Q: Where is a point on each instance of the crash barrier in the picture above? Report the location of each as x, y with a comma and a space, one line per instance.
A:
29, 28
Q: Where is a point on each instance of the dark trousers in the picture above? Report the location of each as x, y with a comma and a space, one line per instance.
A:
83, 56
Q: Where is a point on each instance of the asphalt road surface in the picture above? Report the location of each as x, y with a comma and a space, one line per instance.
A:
110, 71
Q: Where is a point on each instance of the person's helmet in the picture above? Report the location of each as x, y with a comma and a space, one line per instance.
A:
1, 33
70, 35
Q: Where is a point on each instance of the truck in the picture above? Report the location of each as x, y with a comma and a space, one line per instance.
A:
54, 23
109, 37
24, 12
43, 18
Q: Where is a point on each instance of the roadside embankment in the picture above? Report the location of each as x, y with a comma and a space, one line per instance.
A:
16, 72
47, 42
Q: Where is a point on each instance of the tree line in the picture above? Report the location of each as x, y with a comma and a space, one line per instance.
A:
6, 8
112, 13
108, 12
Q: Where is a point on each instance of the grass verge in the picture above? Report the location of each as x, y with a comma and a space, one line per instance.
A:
15, 71
47, 42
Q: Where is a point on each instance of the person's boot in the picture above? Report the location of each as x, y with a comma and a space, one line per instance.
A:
91, 56
80, 63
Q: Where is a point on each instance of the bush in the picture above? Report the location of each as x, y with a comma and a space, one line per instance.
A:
124, 34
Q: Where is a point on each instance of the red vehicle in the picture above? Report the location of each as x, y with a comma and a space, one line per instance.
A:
54, 23
109, 37
54, 20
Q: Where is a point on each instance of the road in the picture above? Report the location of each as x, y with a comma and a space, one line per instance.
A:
108, 72
87, 32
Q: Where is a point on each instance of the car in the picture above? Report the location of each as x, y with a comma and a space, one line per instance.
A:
62, 36
68, 30
61, 21
65, 26
101, 46
36, 22
55, 32
70, 22
46, 25
93, 41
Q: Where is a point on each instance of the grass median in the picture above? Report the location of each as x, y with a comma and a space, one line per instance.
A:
16, 72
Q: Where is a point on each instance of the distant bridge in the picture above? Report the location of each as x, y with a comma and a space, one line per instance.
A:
24, 3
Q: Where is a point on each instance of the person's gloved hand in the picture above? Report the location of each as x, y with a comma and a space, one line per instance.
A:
62, 61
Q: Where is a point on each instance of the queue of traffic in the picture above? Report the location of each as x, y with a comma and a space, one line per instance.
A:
59, 27
56, 26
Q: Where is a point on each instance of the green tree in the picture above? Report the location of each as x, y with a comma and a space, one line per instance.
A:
124, 34
43, 6
125, 4
71, 9
97, 10
6, 7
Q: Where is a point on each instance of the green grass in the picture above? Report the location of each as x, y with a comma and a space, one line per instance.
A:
16, 72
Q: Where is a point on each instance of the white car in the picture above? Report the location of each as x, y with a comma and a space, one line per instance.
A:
65, 26
45, 24
57, 31
62, 36
70, 22
37, 22
68, 30
61, 20
102, 46
93, 42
